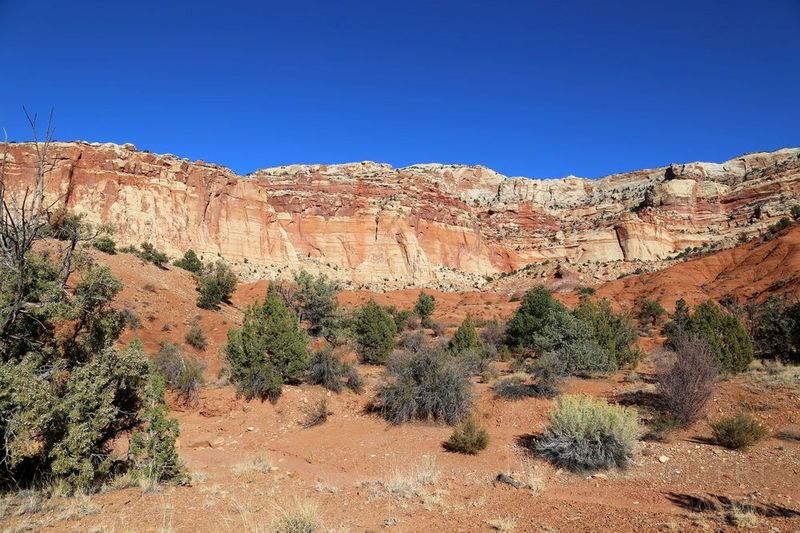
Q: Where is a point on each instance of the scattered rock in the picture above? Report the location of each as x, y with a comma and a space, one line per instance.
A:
663, 459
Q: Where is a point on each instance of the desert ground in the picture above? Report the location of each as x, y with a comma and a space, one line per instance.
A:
251, 461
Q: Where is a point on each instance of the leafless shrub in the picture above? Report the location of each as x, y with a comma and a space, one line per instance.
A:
686, 377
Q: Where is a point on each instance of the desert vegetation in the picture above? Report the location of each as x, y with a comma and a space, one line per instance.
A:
68, 388
588, 435
268, 350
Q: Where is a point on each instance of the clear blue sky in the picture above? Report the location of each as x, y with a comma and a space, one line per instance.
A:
539, 89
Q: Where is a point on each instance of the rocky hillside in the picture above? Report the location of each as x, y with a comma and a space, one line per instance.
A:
437, 225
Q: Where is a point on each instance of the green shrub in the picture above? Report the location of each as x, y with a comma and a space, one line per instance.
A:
614, 333
529, 320
737, 432
353, 379
401, 318
152, 447
190, 262
315, 300
191, 381
412, 341
587, 435
795, 211
571, 346
547, 370
105, 244
650, 312
424, 307
169, 363
429, 384
514, 388
196, 338
328, 370
729, 341
775, 229
216, 285
374, 331
776, 330
468, 438
150, 254
466, 339
268, 350
67, 393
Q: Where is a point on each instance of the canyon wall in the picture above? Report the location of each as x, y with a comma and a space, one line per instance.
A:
446, 226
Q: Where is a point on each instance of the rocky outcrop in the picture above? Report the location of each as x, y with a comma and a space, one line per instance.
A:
422, 225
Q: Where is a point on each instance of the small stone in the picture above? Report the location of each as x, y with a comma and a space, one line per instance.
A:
663, 459
250, 428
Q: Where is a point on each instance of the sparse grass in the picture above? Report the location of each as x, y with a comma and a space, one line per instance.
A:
5, 505
742, 517
773, 374
410, 483
738, 432
122, 481
79, 506
661, 426
301, 517
321, 486
506, 523
251, 469
791, 433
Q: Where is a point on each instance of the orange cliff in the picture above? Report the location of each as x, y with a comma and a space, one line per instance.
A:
446, 226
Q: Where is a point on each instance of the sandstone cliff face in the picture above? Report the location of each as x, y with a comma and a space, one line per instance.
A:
422, 225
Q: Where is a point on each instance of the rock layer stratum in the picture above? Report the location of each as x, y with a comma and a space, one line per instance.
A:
422, 225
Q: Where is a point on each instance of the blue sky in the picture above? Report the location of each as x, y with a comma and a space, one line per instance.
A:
540, 89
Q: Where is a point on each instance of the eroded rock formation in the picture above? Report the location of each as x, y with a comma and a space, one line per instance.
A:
424, 225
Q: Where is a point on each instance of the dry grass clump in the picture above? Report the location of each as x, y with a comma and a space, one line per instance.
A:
79, 506
250, 470
506, 523
411, 482
301, 517
742, 517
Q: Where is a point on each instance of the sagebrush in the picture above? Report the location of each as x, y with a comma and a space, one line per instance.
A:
588, 435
